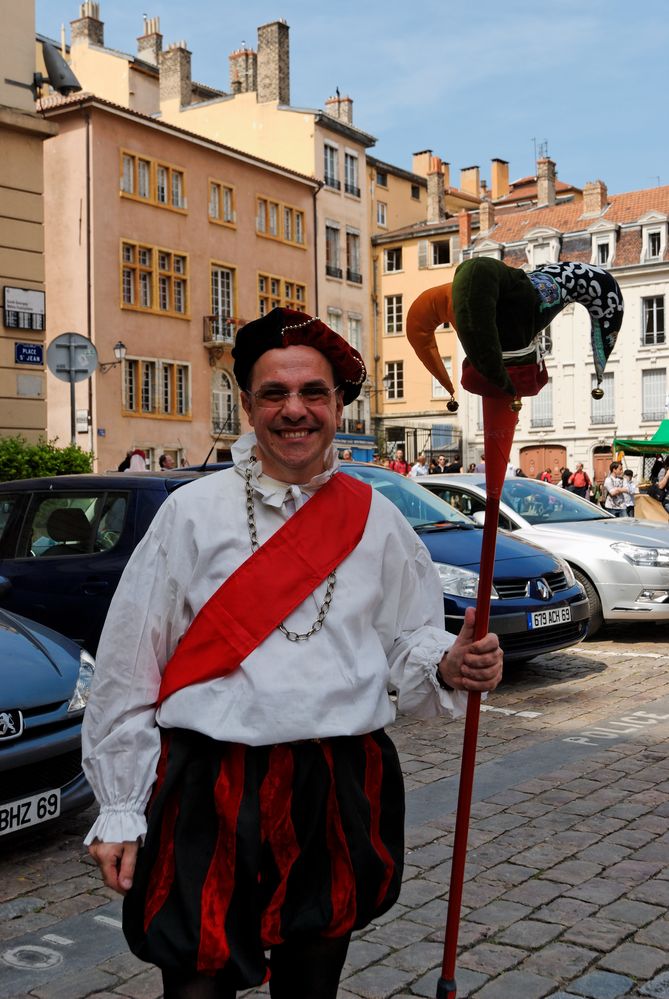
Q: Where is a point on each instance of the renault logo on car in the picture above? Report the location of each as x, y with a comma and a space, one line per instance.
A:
544, 591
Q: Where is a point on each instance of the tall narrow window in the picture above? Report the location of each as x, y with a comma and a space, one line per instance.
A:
331, 166
654, 394
541, 413
177, 189
161, 185
144, 178
355, 332
222, 402
394, 380
381, 214
353, 267
351, 181
148, 398
128, 175
222, 283
603, 410
332, 267
438, 390
393, 314
653, 320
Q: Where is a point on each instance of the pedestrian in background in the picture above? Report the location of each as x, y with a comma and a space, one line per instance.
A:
398, 464
420, 468
580, 480
615, 489
631, 491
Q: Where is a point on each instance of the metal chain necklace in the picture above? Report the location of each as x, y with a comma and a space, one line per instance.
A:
292, 636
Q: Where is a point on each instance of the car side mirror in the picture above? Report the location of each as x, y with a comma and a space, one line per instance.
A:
5, 585
479, 517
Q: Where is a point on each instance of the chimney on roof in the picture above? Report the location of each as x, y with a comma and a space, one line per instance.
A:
499, 178
546, 174
88, 27
420, 162
470, 180
486, 216
595, 197
446, 170
341, 108
465, 227
175, 74
435, 191
150, 44
243, 71
273, 63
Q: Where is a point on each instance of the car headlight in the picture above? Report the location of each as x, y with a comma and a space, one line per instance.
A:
568, 572
640, 555
82, 689
460, 582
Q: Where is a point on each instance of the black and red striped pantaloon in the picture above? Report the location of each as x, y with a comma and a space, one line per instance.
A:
248, 847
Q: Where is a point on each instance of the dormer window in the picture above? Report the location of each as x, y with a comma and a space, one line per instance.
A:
653, 237
543, 247
603, 252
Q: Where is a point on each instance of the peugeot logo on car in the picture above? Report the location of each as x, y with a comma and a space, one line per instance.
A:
11, 724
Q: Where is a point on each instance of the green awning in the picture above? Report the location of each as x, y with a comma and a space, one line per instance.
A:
657, 444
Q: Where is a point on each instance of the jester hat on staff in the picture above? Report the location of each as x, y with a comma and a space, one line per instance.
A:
498, 313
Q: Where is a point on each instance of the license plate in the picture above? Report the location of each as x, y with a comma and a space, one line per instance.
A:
29, 811
544, 618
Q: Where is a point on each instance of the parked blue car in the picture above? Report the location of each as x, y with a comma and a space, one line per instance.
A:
65, 541
44, 684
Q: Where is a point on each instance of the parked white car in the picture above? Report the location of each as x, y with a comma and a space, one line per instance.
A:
622, 562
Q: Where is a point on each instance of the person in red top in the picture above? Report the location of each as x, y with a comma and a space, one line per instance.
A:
399, 464
580, 480
546, 475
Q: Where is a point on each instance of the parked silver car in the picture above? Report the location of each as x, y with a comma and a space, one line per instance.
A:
622, 562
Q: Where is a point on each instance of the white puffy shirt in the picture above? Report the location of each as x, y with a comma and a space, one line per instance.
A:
383, 633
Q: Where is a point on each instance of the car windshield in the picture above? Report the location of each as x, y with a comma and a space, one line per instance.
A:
542, 503
421, 508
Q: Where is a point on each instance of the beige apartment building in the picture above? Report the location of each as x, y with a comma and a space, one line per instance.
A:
22, 135
409, 260
255, 115
155, 241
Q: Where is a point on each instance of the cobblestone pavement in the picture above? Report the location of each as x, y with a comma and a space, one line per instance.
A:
567, 883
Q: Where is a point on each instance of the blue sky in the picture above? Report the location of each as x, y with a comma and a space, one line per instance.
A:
469, 80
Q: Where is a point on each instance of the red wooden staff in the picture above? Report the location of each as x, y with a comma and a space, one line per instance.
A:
499, 424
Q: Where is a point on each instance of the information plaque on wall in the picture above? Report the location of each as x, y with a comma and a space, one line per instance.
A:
24, 309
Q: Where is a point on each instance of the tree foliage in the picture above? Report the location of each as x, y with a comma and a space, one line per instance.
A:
21, 460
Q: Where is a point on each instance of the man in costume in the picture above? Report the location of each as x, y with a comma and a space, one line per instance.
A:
243, 697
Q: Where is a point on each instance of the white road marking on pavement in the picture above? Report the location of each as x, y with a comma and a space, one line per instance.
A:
54, 939
627, 725
108, 921
511, 711
628, 652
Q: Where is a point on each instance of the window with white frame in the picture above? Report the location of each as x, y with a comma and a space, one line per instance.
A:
394, 380
222, 402
353, 265
393, 318
331, 166
654, 244
222, 288
221, 203
654, 394
653, 329
336, 320
382, 214
546, 341
355, 330
603, 410
603, 252
351, 177
438, 390
441, 252
332, 268
541, 412
392, 260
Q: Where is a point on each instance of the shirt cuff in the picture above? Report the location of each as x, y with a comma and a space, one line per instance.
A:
116, 825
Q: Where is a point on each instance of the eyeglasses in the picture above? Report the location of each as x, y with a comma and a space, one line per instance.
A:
311, 395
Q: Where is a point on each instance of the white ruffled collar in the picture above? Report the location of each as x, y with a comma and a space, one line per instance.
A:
272, 492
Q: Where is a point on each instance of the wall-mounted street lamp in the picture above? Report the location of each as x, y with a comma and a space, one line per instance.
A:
120, 350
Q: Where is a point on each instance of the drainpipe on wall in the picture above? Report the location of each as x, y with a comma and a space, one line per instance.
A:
89, 288
315, 310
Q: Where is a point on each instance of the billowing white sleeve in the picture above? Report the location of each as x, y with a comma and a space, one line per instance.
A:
414, 603
120, 740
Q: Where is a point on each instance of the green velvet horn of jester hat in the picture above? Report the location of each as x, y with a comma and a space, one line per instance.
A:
500, 310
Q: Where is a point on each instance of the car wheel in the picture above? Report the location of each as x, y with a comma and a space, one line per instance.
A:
596, 616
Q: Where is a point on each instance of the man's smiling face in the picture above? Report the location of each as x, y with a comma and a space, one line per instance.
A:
292, 437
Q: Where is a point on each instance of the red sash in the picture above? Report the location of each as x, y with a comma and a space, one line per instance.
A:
270, 584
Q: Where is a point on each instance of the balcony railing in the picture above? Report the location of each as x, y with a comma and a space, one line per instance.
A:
332, 182
541, 421
352, 189
603, 418
333, 271
354, 276
354, 426
218, 330
230, 428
